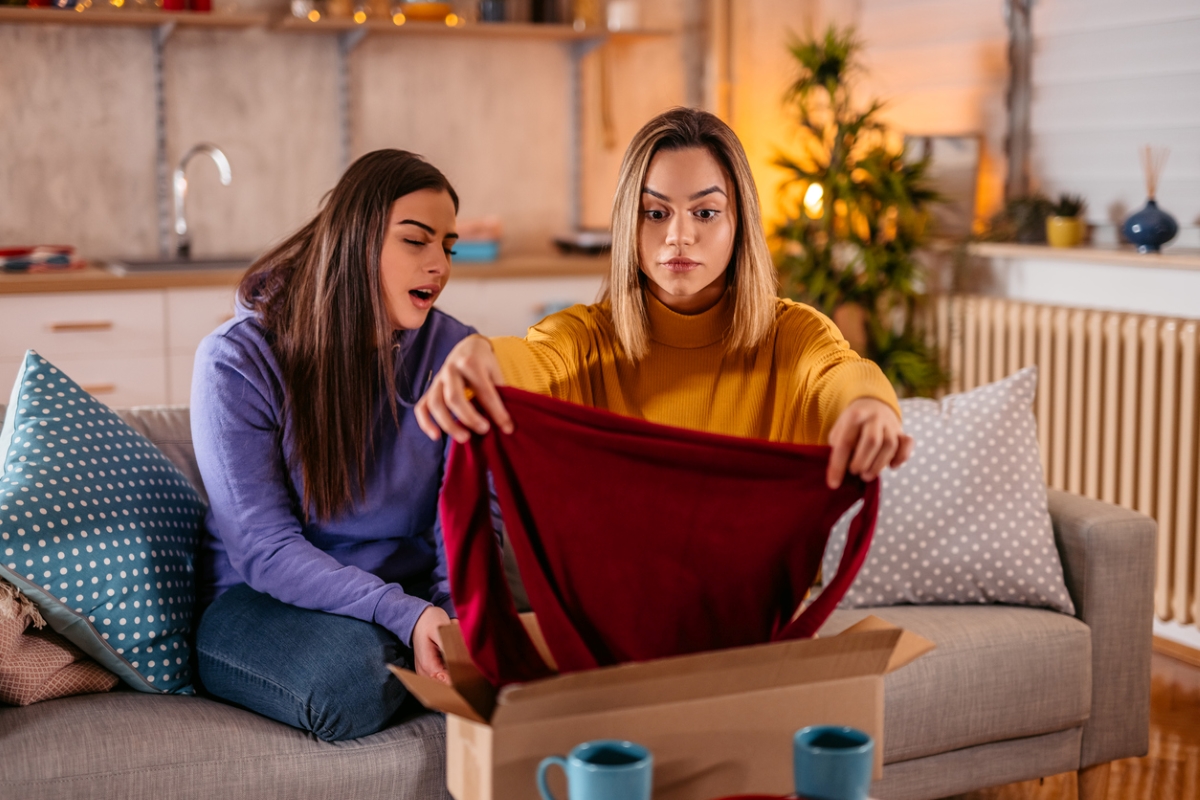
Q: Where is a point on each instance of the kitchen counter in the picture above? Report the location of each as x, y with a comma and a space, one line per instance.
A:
94, 278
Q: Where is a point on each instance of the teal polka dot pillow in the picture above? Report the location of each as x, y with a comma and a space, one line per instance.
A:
99, 529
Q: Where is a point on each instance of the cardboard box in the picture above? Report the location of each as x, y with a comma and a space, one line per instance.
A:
718, 723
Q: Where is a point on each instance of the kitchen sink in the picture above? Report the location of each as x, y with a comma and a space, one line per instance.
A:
138, 266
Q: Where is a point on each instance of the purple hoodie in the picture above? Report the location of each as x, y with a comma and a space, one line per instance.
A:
382, 561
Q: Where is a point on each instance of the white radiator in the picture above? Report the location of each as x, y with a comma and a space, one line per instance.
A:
1116, 409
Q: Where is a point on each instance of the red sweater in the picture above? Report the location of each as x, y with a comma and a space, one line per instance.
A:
638, 541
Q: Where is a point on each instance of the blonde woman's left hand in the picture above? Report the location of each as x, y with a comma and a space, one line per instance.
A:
866, 438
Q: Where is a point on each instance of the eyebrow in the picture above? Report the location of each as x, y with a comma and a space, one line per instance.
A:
696, 196
426, 228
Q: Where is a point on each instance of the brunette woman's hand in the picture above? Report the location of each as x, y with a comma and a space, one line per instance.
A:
868, 437
427, 644
446, 406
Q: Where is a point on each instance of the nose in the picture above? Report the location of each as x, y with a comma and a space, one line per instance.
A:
438, 263
681, 230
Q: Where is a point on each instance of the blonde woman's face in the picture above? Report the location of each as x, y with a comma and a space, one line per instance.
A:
687, 230
415, 262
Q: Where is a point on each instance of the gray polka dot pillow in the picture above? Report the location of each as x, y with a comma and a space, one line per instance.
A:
965, 520
99, 529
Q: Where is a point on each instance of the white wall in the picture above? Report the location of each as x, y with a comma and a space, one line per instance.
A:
1109, 77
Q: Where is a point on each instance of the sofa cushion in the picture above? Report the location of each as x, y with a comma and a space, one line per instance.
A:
147, 747
998, 673
99, 529
965, 520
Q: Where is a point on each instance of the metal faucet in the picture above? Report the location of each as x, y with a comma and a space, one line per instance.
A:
183, 240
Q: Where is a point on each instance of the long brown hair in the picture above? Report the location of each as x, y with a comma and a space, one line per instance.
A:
750, 277
319, 296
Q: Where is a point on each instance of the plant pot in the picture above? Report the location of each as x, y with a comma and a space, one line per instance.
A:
1064, 231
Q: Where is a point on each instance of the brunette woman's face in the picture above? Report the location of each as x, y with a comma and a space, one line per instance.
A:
415, 262
687, 231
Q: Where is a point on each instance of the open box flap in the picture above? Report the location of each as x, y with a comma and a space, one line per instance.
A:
702, 675
910, 647
436, 695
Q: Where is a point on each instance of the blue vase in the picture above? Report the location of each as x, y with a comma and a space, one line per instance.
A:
1150, 228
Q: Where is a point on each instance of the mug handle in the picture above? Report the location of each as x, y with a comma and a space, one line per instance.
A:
548, 762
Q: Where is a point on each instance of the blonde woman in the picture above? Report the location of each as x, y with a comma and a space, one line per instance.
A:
690, 331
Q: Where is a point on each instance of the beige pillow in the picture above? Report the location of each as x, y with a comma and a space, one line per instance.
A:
965, 520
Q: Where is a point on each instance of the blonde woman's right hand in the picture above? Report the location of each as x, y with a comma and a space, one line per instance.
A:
446, 406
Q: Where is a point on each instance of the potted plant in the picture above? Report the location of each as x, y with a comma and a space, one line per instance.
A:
857, 214
1065, 225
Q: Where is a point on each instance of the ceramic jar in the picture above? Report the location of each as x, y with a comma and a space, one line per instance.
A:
1150, 228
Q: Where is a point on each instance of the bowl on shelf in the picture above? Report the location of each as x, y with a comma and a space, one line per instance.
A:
476, 251
426, 12
584, 242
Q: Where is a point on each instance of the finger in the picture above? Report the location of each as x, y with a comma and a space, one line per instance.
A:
870, 439
887, 451
425, 420
904, 451
840, 438
445, 420
482, 381
455, 395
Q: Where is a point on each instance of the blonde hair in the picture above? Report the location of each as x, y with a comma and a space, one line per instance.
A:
751, 277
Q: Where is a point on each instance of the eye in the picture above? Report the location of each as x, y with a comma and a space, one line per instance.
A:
415, 242
656, 214
450, 252
707, 213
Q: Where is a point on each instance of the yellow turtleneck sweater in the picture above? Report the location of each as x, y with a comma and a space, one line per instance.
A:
792, 388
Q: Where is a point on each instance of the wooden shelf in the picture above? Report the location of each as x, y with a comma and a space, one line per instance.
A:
149, 19
1125, 256
129, 18
482, 30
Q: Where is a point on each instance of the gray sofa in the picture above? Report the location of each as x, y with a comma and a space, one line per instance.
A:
1010, 694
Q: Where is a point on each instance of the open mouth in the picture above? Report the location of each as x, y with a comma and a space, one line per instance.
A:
422, 294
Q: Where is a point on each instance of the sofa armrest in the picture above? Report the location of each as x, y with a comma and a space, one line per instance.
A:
1108, 562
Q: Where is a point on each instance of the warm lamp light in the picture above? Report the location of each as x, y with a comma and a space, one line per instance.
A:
813, 201
451, 20
314, 15
398, 18
360, 17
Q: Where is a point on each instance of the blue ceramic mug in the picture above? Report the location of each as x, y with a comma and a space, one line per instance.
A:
606, 769
832, 762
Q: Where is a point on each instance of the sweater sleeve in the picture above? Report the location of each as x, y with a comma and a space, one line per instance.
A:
236, 431
551, 359
828, 375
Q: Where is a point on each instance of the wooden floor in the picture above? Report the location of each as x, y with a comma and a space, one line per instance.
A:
1171, 771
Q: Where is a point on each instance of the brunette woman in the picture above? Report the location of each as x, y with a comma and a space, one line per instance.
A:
322, 558
690, 331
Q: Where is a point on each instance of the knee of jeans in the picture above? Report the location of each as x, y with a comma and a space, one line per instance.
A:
333, 716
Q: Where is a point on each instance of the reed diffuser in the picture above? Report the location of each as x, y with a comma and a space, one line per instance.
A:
1151, 227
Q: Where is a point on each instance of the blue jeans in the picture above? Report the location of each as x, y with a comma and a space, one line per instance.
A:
315, 671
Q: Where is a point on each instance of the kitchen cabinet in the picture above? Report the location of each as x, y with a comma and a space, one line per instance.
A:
132, 340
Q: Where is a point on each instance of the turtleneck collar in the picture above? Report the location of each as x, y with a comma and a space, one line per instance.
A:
689, 331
